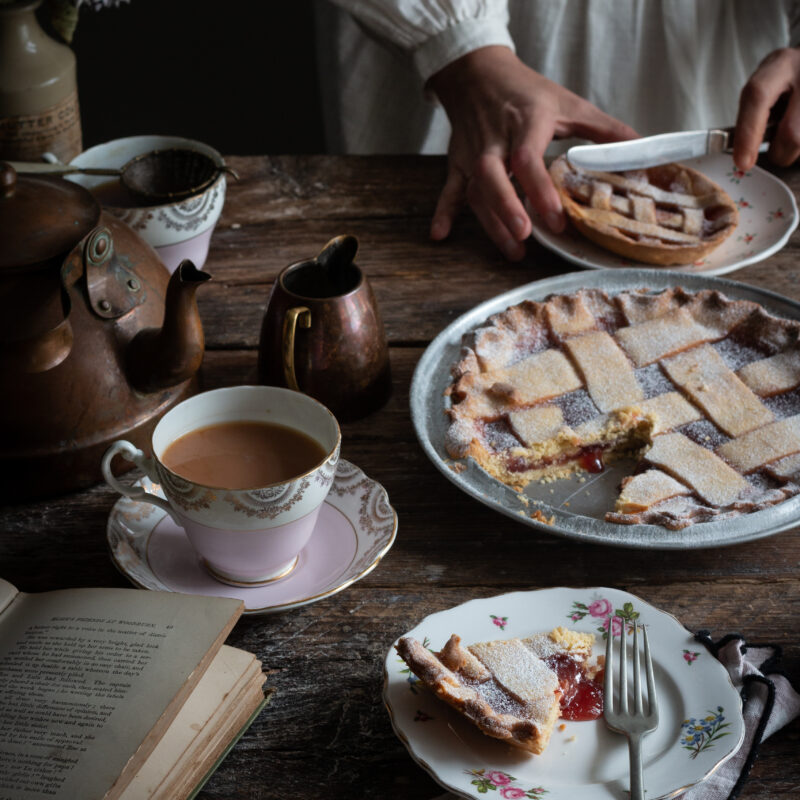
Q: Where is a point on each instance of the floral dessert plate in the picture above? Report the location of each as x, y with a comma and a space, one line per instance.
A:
701, 723
767, 216
355, 529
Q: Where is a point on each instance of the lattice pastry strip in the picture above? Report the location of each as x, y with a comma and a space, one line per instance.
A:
669, 214
569, 315
606, 370
524, 676
638, 184
506, 720
711, 384
693, 465
652, 230
663, 336
543, 415
773, 375
503, 687
669, 411
540, 376
536, 424
788, 467
640, 492
760, 447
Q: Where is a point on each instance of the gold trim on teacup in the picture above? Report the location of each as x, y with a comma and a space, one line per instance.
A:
348, 472
332, 453
219, 576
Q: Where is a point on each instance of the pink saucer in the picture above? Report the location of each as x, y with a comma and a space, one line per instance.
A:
326, 556
355, 529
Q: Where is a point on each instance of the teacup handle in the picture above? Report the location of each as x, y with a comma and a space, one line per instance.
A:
300, 315
127, 450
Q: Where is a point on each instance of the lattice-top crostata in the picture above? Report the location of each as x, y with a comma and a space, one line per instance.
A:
670, 214
514, 689
705, 390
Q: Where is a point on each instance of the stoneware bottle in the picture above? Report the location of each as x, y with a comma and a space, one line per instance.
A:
38, 89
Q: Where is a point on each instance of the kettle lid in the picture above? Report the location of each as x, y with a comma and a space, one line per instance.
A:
41, 217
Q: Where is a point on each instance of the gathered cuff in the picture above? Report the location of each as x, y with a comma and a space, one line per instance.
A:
460, 39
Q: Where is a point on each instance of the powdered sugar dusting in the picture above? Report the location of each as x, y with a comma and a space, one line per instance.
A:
499, 700
704, 433
577, 407
499, 436
736, 354
784, 405
526, 677
653, 381
657, 331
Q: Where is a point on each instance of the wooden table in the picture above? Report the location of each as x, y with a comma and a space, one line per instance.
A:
326, 733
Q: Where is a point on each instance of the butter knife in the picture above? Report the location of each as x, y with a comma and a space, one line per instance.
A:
650, 151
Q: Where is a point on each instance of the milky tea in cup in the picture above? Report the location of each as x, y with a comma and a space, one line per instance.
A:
244, 471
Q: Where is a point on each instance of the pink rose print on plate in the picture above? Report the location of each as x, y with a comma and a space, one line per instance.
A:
600, 608
496, 780
501, 622
499, 778
603, 609
690, 656
615, 623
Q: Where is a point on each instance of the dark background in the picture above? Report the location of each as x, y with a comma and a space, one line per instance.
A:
239, 75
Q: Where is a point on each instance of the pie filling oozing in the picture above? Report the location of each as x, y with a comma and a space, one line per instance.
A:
670, 214
704, 390
514, 689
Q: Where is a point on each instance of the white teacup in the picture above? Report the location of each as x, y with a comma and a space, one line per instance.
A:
244, 536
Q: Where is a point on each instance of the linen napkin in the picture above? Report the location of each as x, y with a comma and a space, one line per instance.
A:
769, 702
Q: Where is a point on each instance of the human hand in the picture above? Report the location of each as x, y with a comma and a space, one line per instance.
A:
778, 74
503, 116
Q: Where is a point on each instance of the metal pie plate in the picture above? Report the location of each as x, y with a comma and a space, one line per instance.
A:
578, 508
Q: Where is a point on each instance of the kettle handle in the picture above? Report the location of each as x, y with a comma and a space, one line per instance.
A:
128, 451
300, 315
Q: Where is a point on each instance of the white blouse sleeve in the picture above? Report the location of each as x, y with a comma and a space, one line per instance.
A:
435, 32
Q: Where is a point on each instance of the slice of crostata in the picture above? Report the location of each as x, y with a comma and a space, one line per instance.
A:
514, 689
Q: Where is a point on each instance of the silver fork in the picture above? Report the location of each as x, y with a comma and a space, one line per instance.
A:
639, 722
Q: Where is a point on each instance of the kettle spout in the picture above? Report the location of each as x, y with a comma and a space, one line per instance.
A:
158, 358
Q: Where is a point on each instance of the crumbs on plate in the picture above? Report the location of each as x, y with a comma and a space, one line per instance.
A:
539, 517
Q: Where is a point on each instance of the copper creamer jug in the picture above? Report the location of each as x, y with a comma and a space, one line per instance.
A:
322, 334
97, 340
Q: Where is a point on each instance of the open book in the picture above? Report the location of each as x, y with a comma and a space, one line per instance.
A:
118, 693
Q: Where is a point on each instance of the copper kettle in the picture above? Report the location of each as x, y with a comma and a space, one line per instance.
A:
97, 340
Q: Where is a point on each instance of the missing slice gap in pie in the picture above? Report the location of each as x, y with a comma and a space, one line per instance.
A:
665, 215
515, 689
703, 390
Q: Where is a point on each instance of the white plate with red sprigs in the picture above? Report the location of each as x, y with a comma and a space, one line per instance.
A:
767, 217
701, 723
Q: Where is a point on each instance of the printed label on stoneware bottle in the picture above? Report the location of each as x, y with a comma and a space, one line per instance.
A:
55, 130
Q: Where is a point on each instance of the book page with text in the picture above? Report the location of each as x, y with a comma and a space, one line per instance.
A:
90, 679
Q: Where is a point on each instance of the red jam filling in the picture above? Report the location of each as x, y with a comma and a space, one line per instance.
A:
582, 697
591, 459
